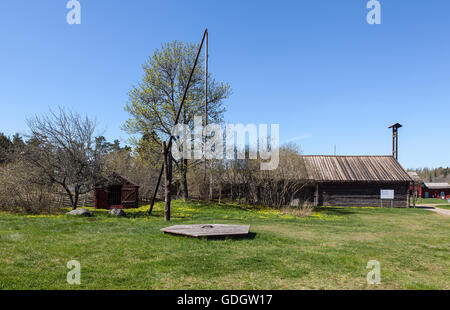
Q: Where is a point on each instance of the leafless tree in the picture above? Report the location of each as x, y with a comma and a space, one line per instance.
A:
62, 147
244, 181
279, 187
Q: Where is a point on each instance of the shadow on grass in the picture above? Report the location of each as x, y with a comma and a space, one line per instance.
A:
144, 213
335, 211
249, 236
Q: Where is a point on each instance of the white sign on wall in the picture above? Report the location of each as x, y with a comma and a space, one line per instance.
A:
387, 194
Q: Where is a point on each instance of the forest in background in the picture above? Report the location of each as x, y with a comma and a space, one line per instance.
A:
439, 174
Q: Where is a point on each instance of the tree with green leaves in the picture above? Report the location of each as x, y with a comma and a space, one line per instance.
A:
154, 102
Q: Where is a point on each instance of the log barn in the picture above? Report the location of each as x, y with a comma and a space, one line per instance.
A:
117, 193
355, 180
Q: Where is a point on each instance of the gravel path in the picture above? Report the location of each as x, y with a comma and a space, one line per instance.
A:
434, 208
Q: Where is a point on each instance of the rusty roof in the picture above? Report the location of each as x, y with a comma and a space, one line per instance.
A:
323, 168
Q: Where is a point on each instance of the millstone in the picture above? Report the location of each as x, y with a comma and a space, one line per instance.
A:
208, 230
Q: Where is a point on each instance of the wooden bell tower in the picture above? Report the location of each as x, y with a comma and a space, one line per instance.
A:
395, 128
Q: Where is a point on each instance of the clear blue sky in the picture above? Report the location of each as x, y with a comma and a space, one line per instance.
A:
313, 66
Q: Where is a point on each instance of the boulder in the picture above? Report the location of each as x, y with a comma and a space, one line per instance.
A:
117, 212
80, 212
295, 202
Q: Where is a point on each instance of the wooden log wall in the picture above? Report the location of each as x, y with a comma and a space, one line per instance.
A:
362, 194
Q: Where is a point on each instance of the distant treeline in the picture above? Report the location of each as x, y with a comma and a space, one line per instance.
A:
440, 174
8, 146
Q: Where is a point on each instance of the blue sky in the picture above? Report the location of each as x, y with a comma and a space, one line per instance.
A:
313, 66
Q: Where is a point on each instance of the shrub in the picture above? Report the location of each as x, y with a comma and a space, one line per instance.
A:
299, 211
21, 193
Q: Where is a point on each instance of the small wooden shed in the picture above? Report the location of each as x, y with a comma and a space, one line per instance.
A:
118, 193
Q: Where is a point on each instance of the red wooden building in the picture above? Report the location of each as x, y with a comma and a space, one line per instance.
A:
417, 184
118, 193
436, 190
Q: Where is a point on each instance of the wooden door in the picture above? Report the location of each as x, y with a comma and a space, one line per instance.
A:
130, 196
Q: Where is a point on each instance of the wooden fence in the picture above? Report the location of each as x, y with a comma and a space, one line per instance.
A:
85, 200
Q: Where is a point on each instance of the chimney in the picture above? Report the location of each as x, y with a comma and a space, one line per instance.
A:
395, 128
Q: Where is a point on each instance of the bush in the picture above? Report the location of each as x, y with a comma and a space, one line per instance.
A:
300, 211
21, 193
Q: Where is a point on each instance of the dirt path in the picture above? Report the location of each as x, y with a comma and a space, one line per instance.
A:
434, 208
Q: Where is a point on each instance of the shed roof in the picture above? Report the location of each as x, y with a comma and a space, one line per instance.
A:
114, 179
437, 185
323, 168
414, 175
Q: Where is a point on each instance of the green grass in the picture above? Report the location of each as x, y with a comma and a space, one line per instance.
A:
444, 206
328, 250
430, 201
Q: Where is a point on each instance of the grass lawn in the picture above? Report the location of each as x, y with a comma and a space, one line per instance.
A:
444, 206
328, 250
429, 201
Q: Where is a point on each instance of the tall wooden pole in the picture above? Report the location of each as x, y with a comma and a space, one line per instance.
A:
395, 128
177, 118
206, 104
396, 144
167, 181
394, 139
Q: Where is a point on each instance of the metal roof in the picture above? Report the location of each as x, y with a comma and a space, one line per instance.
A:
322, 168
437, 185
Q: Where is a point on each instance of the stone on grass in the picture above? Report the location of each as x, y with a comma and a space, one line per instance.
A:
117, 212
295, 202
80, 212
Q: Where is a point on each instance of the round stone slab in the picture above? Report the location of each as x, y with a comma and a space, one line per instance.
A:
208, 230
